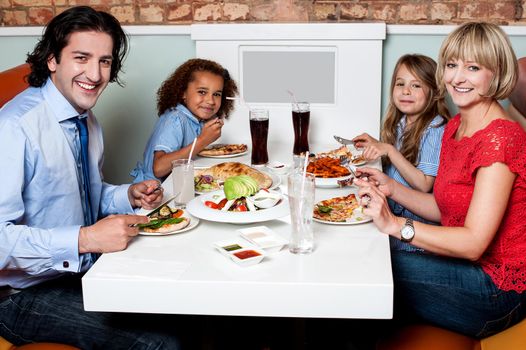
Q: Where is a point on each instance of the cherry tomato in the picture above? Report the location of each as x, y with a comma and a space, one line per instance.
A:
211, 204
241, 207
221, 204
178, 213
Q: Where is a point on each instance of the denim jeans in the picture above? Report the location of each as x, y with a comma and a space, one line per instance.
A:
53, 312
452, 293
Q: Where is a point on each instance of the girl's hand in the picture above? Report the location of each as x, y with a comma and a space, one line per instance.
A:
211, 130
377, 178
373, 149
375, 205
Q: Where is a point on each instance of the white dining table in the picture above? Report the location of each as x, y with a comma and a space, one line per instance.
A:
347, 276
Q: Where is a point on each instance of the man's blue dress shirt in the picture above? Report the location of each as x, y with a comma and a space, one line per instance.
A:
41, 192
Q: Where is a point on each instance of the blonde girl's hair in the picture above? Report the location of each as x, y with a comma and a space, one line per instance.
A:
487, 45
171, 92
424, 69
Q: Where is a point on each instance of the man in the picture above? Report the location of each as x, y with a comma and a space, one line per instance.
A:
52, 192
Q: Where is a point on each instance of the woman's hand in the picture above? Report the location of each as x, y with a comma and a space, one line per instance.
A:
374, 204
373, 149
383, 182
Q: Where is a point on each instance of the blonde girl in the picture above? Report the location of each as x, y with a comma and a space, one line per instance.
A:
412, 130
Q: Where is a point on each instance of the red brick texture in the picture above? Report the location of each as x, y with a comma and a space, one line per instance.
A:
38, 12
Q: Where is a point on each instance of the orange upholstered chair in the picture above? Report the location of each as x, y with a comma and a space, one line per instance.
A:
425, 337
517, 106
12, 82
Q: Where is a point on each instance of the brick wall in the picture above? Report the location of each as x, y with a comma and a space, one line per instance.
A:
39, 12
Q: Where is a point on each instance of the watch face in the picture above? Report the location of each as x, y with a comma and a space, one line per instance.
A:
407, 232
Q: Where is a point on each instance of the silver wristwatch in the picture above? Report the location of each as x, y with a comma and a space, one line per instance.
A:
407, 232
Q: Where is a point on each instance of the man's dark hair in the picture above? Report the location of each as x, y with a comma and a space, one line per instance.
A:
56, 37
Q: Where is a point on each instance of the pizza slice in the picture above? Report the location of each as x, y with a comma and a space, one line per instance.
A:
223, 149
337, 209
165, 225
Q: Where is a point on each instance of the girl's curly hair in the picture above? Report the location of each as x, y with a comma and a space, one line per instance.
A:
171, 92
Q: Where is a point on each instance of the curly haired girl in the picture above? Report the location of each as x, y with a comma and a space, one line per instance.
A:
191, 104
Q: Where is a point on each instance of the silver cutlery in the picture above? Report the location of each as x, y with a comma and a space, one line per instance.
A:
343, 141
162, 205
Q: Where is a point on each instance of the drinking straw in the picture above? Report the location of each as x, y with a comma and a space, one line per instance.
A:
191, 151
304, 173
243, 102
293, 99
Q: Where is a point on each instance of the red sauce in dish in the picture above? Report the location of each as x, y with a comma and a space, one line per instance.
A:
245, 254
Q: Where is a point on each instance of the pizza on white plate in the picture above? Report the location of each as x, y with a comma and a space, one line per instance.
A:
221, 149
165, 220
337, 209
165, 225
342, 153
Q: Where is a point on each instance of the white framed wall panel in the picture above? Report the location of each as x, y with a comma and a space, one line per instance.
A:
357, 50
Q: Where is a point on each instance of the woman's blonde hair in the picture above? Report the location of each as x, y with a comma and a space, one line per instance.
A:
424, 69
487, 45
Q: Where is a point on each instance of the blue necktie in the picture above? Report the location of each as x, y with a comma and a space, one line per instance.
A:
82, 127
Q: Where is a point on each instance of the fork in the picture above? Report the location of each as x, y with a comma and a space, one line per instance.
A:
346, 162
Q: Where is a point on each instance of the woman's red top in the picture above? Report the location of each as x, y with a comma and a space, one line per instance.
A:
501, 141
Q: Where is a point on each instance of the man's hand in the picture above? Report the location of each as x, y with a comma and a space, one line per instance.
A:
147, 194
111, 234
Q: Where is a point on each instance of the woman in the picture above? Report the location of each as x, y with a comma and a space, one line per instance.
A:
472, 278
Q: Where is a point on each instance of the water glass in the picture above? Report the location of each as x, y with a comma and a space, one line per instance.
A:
259, 134
183, 180
301, 201
300, 122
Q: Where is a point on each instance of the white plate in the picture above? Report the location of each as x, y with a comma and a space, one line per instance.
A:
363, 162
329, 182
193, 223
224, 155
351, 221
197, 207
276, 180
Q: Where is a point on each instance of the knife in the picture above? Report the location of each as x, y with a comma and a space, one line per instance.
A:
163, 204
343, 141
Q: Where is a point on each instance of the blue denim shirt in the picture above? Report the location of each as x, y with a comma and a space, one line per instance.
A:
41, 193
175, 129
